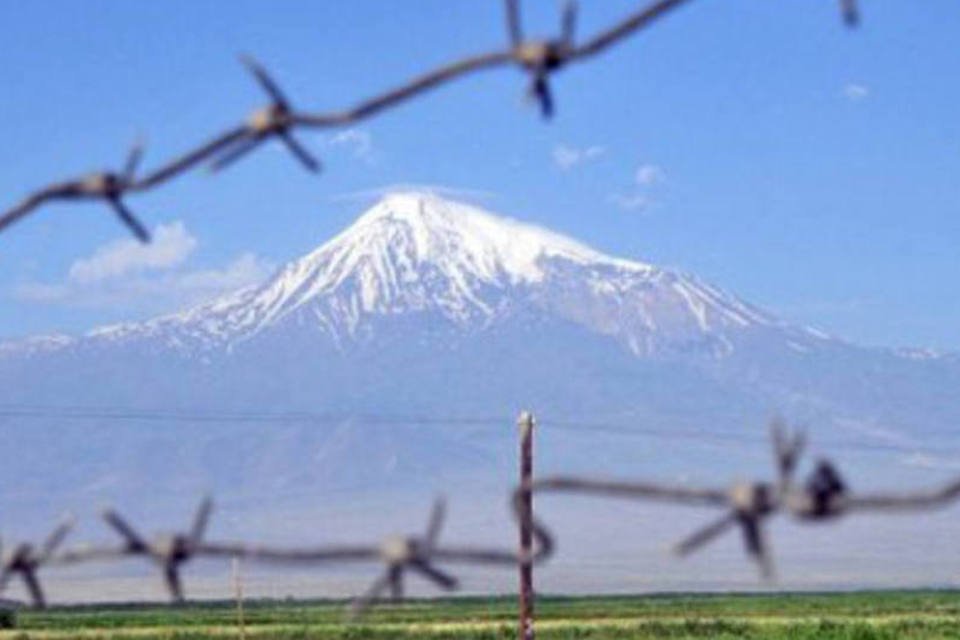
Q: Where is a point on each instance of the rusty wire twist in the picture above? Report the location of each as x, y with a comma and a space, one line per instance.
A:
538, 58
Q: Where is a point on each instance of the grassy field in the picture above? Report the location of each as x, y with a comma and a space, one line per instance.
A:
852, 616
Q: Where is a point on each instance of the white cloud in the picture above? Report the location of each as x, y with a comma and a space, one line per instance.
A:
124, 275
566, 157
648, 175
855, 92
631, 202
172, 244
358, 141
646, 178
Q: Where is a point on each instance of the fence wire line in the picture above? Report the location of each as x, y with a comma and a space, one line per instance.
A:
539, 59
822, 497
614, 427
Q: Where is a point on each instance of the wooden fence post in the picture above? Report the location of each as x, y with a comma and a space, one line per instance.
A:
526, 423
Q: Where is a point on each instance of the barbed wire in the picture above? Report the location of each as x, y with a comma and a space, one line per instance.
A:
538, 58
397, 554
824, 496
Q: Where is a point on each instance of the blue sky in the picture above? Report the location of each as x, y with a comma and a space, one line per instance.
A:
809, 169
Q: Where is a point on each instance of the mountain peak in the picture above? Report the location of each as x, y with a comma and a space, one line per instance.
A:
417, 251
438, 229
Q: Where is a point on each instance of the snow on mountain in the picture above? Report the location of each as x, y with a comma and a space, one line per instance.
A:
34, 345
417, 253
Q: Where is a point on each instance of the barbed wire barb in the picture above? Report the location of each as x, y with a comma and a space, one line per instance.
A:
169, 552
850, 12
540, 58
409, 553
787, 449
273, 121
25, 560
107, 186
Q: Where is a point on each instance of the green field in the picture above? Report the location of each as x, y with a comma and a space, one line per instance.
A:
860, 616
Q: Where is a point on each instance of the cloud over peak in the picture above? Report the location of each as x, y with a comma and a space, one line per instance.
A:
172, 244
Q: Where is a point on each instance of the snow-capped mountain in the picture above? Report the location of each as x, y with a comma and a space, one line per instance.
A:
418, 254
422, 295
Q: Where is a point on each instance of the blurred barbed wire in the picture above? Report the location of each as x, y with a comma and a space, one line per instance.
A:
823, 496
538, 58
419, 554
